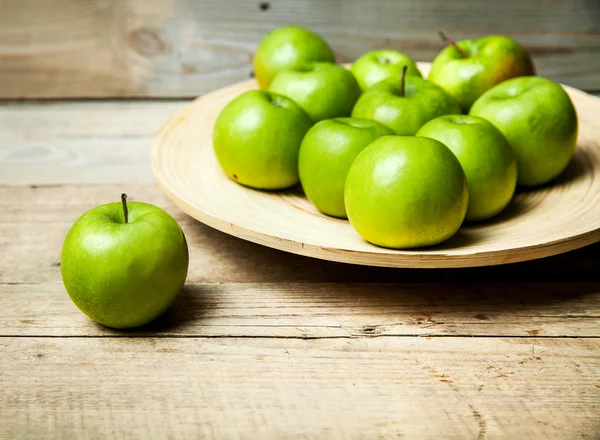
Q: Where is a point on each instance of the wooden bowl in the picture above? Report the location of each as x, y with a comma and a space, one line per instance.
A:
562, 216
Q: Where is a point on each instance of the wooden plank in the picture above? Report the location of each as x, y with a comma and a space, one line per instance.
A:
188, 47
451, 388
82, 142
84, 120
35, 219
321, 310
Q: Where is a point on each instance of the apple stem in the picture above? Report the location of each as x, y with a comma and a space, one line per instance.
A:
403, 80
445, 38
124, 202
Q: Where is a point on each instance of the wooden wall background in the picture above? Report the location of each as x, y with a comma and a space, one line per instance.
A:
182, 48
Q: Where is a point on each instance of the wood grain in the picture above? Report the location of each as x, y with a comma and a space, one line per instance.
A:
451, 388
83, 142
263, 343
92, 48
559, 217
325, 310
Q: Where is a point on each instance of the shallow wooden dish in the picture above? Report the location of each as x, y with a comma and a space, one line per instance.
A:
557, 218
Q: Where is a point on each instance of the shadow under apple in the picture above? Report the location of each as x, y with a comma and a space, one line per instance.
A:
191, 305
525, 200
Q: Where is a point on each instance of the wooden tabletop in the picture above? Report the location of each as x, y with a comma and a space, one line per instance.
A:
264, 344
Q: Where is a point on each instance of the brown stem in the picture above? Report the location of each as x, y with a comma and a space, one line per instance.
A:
124, 202
445, 38
403, 80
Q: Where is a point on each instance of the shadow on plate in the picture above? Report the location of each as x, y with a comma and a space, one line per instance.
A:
464, 237
579, 167
524, 201
520, 205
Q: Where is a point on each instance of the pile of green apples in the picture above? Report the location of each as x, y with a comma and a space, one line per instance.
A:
407, 160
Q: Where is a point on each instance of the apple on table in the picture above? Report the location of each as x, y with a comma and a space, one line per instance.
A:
123, 264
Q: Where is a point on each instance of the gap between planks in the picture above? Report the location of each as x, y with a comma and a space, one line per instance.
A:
303, 338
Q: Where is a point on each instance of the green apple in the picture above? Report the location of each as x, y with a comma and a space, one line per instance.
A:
540, 122
288, 48
124, 264
326, 153
323, 90
404, 104
468, 68
375, 66
256, 139
486, 158
406, 192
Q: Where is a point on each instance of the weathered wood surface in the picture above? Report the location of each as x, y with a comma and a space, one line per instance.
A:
99, 48
331, 310
417, 388
85, 142
60, 159
264, 344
